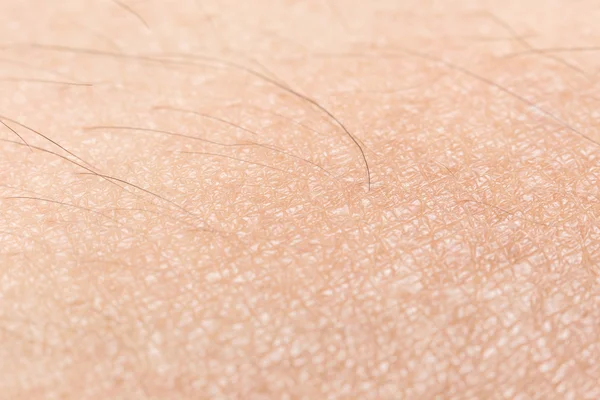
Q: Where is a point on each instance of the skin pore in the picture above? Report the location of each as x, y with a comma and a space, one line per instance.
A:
299, 199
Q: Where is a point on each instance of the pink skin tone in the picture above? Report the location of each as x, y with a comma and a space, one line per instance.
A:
299, 200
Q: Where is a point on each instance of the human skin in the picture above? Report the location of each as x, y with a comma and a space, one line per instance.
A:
139, 260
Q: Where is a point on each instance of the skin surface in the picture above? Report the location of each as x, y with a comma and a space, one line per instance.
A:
191, 215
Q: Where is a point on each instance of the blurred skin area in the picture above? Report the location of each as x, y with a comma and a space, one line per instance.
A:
186, 212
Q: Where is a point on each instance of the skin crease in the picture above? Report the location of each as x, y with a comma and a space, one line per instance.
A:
223, 243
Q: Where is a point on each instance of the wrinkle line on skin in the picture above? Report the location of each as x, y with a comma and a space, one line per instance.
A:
472, 199
512, 213
219, 63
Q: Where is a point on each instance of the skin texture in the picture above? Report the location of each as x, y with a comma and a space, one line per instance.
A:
191, 215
